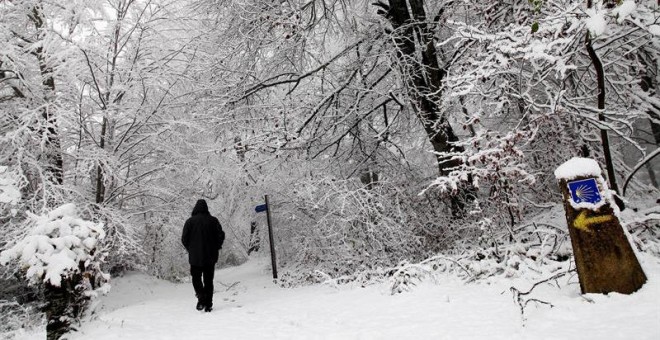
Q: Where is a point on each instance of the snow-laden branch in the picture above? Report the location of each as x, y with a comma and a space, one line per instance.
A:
639, 165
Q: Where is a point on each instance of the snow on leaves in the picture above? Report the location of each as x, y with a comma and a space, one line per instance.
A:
60, 244
596, 23
623, 11
9, 192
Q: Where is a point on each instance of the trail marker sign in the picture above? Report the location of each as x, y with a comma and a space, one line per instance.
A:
585, 190
604, 259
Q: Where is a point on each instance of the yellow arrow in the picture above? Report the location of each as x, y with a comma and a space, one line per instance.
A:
583, 222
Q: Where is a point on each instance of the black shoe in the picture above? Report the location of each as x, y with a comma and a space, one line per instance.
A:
208, 308
200, 306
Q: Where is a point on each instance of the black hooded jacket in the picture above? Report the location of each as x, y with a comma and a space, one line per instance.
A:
202, 236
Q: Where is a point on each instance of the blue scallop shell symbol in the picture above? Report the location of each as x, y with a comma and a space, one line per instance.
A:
585, 190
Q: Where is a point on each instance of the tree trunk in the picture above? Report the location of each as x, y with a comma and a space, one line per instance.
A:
600, 78
414, 41
64, 304
100, 185
649, 82
53, 152
423, 76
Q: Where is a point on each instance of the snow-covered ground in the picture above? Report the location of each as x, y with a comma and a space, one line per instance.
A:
141, 307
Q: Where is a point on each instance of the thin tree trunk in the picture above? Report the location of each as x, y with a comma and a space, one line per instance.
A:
106, 132
100, 185
648, 83
655, 127
600, 78
49, 128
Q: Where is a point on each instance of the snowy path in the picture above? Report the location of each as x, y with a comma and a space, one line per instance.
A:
140, 307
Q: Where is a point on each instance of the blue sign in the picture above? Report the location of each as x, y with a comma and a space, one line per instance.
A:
585, 190
261, 208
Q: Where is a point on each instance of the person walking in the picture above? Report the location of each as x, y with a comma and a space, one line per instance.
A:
203, 237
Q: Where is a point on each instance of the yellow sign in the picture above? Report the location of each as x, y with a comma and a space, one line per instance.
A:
583, 222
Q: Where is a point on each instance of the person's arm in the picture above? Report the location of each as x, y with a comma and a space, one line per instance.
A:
185, 237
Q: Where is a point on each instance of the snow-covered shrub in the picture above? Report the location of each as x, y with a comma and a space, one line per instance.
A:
346, 232
121, 243
17, 317
165, 257
643, 227
59, 244
534, 250
62, 253
407, 275
343, 227
10, 198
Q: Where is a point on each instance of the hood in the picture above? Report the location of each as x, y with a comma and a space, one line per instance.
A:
200, 208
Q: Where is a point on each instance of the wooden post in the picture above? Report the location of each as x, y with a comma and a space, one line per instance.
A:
604, 259
270, 239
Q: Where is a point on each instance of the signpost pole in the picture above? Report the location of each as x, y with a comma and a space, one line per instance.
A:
270, 239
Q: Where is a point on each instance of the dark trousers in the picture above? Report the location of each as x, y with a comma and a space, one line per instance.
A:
203, 287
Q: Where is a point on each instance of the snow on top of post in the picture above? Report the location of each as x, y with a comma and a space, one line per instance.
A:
578, 167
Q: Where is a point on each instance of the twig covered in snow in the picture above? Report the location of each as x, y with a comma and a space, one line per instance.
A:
521, 301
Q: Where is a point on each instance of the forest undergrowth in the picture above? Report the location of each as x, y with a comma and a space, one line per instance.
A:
536, 249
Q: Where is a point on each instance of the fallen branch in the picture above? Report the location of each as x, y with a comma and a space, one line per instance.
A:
521, 301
